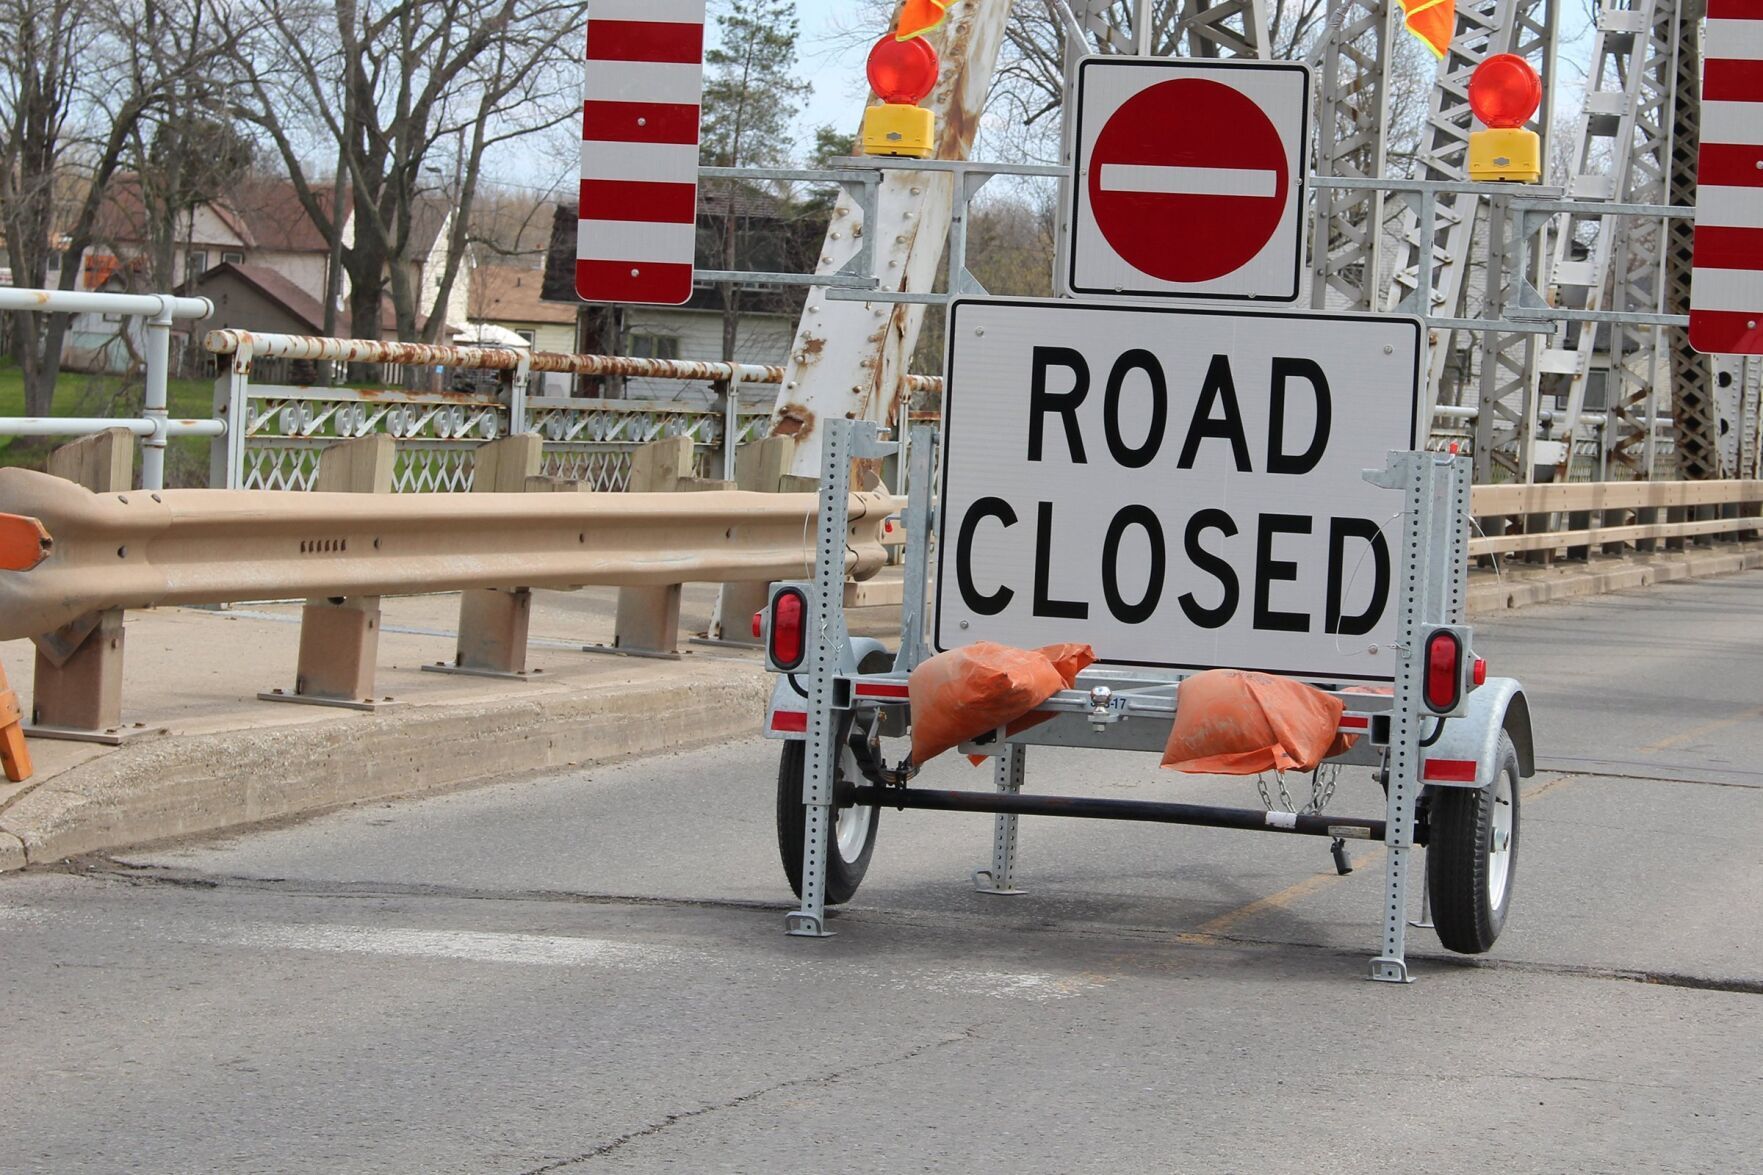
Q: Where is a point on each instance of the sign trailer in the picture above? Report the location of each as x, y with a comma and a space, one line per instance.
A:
1449, 745
1182, 488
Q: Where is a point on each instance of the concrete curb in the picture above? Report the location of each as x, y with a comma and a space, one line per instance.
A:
159, 789
1524, 586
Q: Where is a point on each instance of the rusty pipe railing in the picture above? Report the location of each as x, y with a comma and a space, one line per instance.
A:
139, 550
278, 346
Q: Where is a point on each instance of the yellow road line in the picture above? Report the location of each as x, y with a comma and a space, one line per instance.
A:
1207, 932
1697, 731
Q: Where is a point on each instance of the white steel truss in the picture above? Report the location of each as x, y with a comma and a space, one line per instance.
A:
1484, 28
1692, 400
1620, 141
1353, 84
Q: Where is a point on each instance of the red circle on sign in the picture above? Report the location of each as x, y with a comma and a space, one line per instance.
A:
1188, 180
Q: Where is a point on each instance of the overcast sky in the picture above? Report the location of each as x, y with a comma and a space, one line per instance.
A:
837, 72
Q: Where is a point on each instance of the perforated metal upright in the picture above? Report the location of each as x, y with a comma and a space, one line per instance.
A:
1432, 590
1009, 772
828, 656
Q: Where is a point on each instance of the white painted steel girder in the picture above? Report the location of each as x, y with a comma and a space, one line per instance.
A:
848, 358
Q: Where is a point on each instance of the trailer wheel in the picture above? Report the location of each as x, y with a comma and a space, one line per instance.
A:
852, 832
1471, 855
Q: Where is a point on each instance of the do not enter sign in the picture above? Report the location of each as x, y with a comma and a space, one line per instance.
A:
1190, 179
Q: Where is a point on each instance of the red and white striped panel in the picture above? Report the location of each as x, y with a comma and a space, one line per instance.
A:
1726, 297
644, 83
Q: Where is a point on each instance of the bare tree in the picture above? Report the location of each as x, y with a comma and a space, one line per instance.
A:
76, 79
185, 151
408, 97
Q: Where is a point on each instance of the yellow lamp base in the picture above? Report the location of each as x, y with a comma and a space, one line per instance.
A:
890, 129
1515, 156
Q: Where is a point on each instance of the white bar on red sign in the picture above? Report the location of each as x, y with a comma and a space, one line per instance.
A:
641, 162
644, 81
1726, 292
642, 91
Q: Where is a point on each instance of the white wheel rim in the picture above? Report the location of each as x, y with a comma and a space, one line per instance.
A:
1500, 840
851, 827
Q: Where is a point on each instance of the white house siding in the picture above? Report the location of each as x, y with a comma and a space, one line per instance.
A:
434, 267
305, 270
763, 338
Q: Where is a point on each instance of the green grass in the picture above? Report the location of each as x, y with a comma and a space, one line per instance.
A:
80, 394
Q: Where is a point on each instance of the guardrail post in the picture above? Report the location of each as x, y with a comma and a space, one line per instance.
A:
493, 622
77, 687
759, 468
648, 617
340, 636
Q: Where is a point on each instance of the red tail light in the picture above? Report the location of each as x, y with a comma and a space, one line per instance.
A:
1444, 672
759, 624
788, 609
1478, 672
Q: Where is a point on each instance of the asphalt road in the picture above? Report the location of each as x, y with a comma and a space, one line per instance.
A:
588, 972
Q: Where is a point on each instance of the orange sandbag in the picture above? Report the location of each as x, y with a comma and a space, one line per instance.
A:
1228, 722
962, 693
1069, 660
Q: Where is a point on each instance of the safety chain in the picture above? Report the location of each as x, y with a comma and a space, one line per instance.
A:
1322, 785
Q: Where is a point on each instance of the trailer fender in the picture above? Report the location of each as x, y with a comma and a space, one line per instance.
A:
1466, 753
786, 717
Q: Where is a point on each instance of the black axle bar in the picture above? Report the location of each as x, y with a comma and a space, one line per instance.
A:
1249, 819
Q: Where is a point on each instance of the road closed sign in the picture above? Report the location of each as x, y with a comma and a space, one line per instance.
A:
1179, 487
1190, 179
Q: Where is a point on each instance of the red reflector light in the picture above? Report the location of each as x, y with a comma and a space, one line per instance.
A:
1444, 770
790, 721
759, 624
1444, 675
787, 612
1479, 673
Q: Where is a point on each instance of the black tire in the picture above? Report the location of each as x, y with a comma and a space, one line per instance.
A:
844, 872
1470, 893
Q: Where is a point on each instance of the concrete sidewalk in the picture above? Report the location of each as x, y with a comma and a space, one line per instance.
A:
206, 754
209, 756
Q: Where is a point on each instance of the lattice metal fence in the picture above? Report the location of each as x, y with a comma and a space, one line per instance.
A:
436, 434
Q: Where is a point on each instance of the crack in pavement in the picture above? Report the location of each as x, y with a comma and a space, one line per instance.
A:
1587, 769
109, 869
966, 1034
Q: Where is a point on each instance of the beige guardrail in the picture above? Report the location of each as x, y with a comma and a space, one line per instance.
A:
138, 550
1615, 512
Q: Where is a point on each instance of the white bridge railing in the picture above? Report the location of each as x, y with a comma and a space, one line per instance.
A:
154, 425
286, 427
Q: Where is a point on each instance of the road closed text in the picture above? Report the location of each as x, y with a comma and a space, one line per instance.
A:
1177, 488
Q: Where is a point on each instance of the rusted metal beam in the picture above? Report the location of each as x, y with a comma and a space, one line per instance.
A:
138, 550
278, 346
